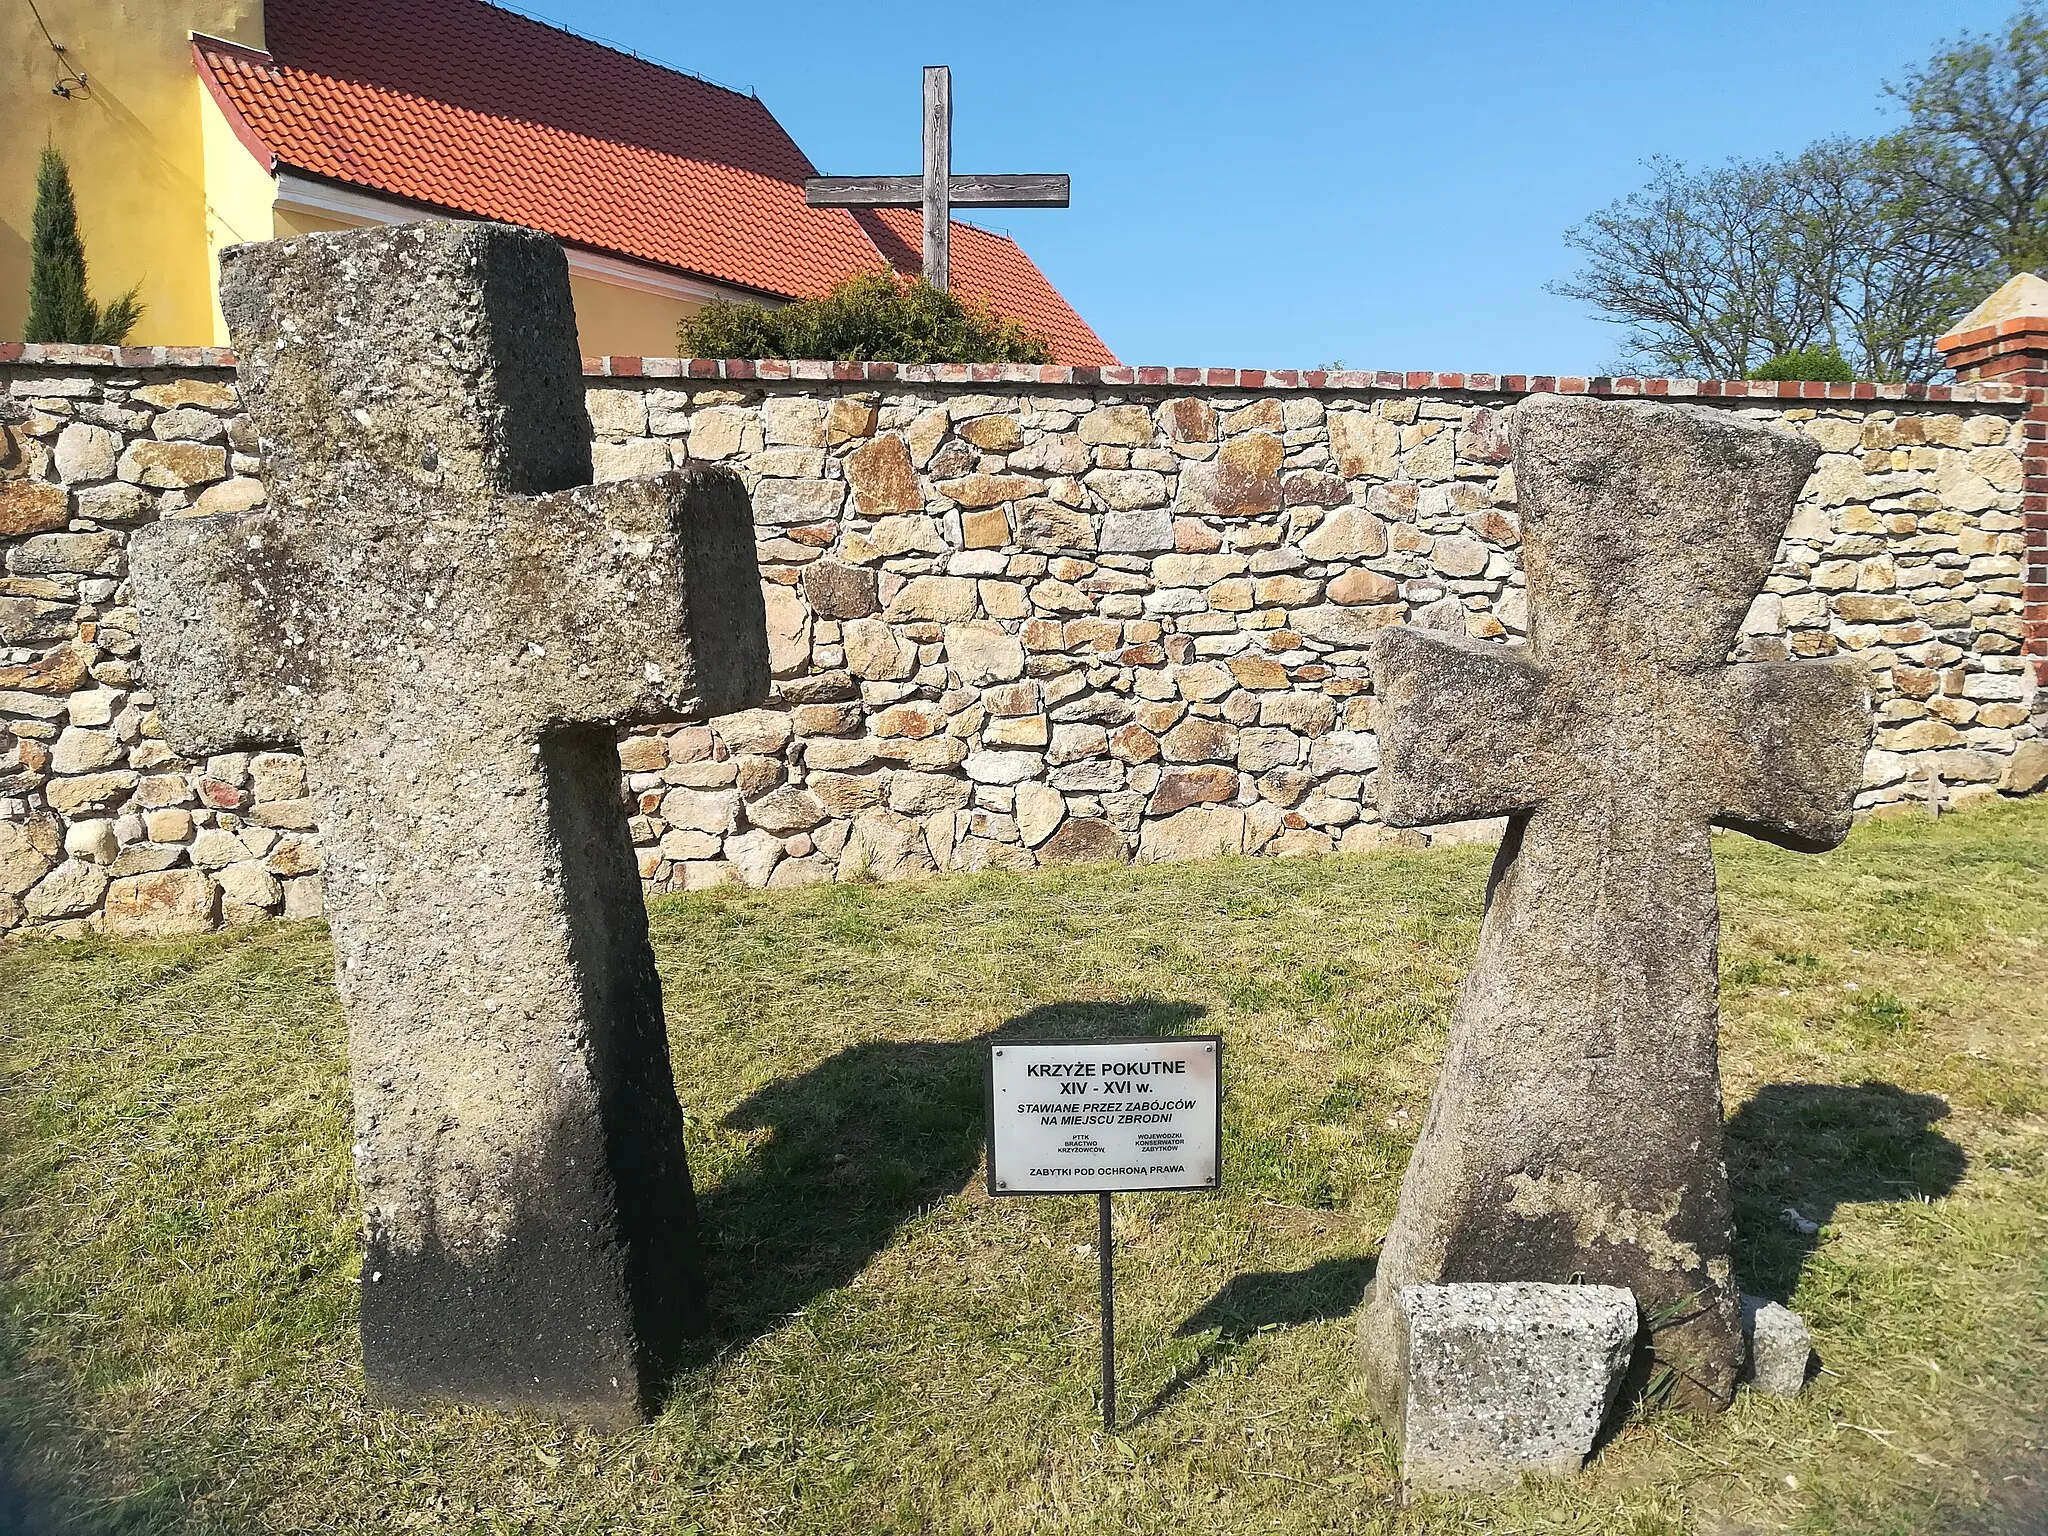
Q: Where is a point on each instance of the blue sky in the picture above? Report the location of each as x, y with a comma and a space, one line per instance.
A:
1294, 183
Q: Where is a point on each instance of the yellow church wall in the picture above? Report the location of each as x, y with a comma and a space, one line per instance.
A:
612, 320
240, 198
135, 140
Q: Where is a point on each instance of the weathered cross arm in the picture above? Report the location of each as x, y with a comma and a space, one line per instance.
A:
643, 599
637, 603
1029, 189
1459, 721
1790, 761
212, 623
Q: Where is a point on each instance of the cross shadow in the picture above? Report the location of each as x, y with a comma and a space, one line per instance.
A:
1813, 1147
1252, 1304
858, 1145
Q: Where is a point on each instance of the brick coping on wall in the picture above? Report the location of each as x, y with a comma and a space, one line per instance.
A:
1984, 392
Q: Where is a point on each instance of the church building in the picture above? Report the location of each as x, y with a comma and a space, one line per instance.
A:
190, 125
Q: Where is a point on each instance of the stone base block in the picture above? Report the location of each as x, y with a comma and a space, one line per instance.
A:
1779, 1345
1499, 1380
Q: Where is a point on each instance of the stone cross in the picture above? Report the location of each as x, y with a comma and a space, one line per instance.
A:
1576, 1129
937, 191
450, 622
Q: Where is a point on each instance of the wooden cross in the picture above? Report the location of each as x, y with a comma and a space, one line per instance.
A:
1576, 1129
938, 191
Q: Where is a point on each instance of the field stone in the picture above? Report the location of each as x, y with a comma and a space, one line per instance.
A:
786, 811
838, 591
1780, 1346
798, 501
119, 503
1002, 767
86, 453
304, 898
1200, 832
52, 554
1122, 425
172, 466
624, 461
1136, 532
71, 889
1085, 840
1507, 1379
886, 846
753, 855
529, 1223
93, 840
22, 863
875, 652
161, 904
31, 506
982, 652
1180, 788
2028, 770
188, 424
1040, 809
89, 792
28, 621
1243, 480
250, 886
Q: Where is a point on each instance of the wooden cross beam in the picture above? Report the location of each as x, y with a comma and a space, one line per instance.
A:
938, 191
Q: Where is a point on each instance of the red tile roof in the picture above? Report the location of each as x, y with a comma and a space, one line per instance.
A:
459, 105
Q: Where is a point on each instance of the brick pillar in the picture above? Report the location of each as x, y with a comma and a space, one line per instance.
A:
2006, 339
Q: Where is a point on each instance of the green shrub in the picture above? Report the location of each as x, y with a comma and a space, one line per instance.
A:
871, 317
1809, 365
59, 306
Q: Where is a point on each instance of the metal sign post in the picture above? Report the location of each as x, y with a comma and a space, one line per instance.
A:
1103, 1241
1099, 1116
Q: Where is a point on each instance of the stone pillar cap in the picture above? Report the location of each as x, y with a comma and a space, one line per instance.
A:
2007, 333
2024, 298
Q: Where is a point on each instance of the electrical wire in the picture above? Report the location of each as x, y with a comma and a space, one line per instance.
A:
68, 78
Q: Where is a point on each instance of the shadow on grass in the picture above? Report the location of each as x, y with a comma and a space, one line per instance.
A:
1257, 1303
1249, 1305
1813, 1147
863, 1142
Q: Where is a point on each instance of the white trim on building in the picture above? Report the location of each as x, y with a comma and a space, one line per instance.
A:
323, 199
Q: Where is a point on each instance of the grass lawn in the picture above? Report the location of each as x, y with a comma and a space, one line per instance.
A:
898, 1352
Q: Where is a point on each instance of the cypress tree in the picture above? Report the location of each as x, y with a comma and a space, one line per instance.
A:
60, 308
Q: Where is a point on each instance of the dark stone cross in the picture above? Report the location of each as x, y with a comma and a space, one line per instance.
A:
450, 622
937, 191
1576, 1128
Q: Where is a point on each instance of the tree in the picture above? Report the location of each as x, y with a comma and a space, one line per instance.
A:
1871, 248
1713, 272
1695, 265
1975, 144
870, 317
60, 307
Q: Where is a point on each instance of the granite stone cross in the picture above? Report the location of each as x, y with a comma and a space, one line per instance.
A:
450, 622
1575, 1131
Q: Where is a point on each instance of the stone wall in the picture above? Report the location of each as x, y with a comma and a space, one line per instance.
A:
1019, 616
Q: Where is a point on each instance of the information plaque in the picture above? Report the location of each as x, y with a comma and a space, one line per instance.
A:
1093, 1117
1100, 1116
